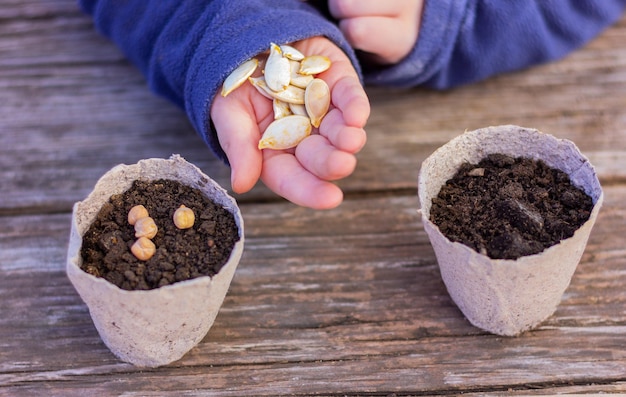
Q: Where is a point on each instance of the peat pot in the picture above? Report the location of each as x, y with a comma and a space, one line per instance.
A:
505, 296
150, 328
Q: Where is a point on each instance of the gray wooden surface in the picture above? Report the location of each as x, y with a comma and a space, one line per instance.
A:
340, 302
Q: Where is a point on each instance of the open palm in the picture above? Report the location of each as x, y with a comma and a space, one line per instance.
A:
302, 175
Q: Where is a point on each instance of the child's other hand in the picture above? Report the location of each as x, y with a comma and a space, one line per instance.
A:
386, 29
301, 175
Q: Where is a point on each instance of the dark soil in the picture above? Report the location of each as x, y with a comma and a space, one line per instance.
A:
181, 254
508, 207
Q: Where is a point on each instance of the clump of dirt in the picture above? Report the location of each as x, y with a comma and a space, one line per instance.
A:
180, 254
506, 207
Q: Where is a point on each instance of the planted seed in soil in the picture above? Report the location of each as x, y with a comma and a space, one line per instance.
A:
507, 207
180, 255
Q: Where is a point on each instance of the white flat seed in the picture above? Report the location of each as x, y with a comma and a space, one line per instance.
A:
291, 53
317, 101
292, 94
300, 101
300, 110
285, 133
277, 70
261, 86
297, 79
314, 64
281, 109
239, 76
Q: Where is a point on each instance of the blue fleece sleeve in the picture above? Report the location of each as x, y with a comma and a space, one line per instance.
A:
186, 48
463, 41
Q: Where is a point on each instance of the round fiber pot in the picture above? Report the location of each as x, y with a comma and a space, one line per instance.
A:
155, 327
505, 296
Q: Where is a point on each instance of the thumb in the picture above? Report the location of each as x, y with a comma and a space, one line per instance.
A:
238, 135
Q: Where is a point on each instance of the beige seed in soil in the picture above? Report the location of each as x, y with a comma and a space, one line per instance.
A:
184, 217
145, 227
143, 248
136, 213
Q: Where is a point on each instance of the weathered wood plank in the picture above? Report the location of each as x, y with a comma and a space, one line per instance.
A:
354, 305
36, 9
406, 369
340, 302
54, 155
61, 85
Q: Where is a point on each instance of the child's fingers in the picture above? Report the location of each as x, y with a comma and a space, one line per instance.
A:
245, 167
350, 98
391, 42
342, 9
346, 90
239, 141
343, 137
322, 159
300, 175
285, 176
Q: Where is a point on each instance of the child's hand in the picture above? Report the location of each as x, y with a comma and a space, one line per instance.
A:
302, 175
386, 29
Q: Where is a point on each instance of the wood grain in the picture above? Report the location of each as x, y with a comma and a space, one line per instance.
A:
342, 302
368, 312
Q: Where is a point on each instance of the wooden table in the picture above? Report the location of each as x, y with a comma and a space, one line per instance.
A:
342, 302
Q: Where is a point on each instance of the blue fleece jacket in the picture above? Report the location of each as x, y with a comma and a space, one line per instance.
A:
186, 48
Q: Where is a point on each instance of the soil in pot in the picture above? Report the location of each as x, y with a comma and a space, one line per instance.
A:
506, 207
181, 254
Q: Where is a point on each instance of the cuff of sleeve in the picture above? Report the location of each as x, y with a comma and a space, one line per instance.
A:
222, 50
